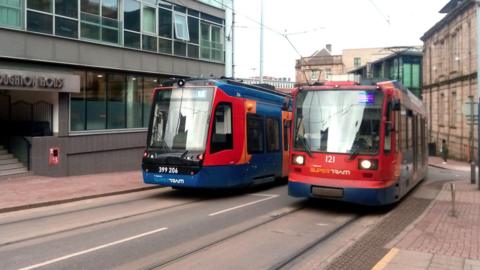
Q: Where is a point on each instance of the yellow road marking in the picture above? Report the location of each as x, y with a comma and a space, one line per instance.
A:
386, 259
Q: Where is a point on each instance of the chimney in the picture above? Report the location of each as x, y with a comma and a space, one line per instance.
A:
329, 47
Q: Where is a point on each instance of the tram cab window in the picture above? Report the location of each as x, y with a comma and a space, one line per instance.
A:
255, 127
222, 136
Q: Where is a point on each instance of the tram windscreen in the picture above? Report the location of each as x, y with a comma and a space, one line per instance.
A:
338, 121
180, 119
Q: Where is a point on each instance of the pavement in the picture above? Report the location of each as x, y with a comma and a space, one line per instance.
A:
37, 191
438, 239
441, 238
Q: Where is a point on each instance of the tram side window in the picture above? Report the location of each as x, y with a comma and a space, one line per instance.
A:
222, 135
404, 130
255, 133
286, 131
388, 129
273, 135
397, 131
410, 140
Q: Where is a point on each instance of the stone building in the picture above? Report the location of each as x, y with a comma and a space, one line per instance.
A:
449, 76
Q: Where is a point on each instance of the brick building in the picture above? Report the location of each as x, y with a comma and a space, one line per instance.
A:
449, 76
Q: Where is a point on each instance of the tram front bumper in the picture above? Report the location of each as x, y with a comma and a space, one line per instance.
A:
365, 196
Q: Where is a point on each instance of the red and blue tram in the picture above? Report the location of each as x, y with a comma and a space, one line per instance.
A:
217, 134
363, 144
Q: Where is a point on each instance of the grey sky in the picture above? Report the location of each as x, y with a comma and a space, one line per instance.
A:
343, 23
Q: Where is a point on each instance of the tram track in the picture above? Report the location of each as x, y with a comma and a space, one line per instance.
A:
103, 222
285, 263
184, 255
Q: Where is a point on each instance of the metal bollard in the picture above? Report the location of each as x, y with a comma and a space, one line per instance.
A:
453, 212
473, 168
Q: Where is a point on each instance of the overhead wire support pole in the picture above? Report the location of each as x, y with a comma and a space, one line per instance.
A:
261, 41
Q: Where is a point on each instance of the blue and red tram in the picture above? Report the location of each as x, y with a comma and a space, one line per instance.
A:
363, 144
217, 134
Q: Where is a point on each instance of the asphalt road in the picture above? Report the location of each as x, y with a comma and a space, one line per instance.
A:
258, 228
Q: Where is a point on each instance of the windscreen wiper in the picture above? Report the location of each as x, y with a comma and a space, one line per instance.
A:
353, 154
304, 142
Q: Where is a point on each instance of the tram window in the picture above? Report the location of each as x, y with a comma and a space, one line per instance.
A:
222, 135
397, 129
254, 133
388, 129
273, 135
286, 129
404, 130
410, 128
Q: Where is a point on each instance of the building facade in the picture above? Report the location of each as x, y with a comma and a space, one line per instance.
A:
76, 77
322, 64
449, 77
317, 67
403, 65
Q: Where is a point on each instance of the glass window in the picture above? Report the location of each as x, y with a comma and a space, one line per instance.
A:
91, 6
357, 62
131, 40
286, 132
149, 83
11, 13
193, 51
205, 40
254, 134
134, 102
222, 135
149, 21
193, 27
38, 22
90, 31
95, 95
165, 45
40, 5
149, 43
346, 121
181, 118
116, 101
110, 9
68, 8
407, 75
131, 15
180, 48
110, 34
181, 27
217, 43
273, 135
66, 28
77, 107
164, 23
416, 74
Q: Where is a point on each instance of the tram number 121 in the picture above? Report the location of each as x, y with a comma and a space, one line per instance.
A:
329, 159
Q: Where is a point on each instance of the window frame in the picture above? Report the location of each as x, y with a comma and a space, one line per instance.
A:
185, 36
269, 134
229, 141
256, 117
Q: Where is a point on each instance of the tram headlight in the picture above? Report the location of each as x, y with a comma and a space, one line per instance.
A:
298, 160
367, 164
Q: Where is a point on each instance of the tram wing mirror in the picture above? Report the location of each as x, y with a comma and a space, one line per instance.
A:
396, 105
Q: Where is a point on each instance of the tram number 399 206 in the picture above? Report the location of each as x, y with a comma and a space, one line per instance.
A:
168, 170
